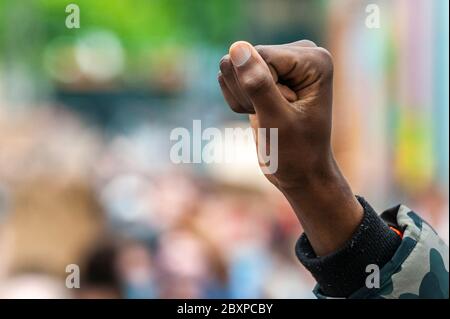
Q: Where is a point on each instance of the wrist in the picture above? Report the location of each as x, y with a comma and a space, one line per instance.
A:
322, 174
326, 207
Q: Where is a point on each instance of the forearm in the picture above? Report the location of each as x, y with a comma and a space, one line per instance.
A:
343, 234
326, 207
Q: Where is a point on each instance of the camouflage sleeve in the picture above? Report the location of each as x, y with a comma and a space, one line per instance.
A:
419, 267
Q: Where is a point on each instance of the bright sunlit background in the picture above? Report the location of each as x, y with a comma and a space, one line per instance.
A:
85, 120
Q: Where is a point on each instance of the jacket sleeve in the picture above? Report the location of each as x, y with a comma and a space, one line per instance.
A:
408, 262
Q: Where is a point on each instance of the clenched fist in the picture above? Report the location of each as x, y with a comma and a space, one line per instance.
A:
289, 87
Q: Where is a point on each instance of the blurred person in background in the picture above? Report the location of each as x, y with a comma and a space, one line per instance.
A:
190, 268
136, 269
101, 276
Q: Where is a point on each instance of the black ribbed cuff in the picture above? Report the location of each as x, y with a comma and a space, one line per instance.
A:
344, 271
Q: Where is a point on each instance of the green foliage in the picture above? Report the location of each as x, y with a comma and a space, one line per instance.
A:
138, 22
27, 28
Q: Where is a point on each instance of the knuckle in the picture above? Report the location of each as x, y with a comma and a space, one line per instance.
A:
305, 43
262, 51
226, 57
224, 64
259, 48
325, 61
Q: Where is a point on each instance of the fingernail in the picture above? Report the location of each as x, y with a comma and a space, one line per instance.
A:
240, 53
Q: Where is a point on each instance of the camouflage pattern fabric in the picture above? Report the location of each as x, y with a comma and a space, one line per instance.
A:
418, 269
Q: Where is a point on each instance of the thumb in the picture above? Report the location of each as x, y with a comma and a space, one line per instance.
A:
255, 78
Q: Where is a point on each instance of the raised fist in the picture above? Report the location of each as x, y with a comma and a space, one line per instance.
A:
288, 87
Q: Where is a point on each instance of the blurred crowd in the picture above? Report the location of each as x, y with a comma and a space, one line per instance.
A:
69, 196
